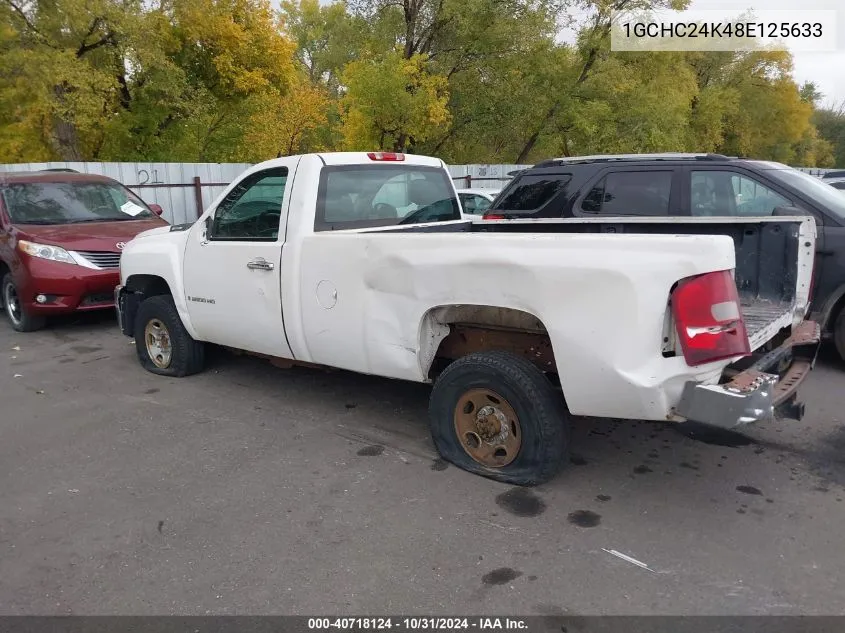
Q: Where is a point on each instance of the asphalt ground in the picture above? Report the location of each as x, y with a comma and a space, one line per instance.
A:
250, 489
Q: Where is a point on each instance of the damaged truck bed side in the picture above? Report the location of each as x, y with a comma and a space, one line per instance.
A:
773, 272
361, 262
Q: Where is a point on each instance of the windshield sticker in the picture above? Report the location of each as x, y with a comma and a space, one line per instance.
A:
130, 208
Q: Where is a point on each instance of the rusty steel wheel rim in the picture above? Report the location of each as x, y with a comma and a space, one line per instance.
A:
157, 340
487, 428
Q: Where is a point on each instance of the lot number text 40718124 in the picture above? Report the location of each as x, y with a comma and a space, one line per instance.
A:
416, 624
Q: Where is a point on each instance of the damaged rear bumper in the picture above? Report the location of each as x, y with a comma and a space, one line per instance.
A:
760, 392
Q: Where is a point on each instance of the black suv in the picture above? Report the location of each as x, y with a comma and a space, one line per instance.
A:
691, 185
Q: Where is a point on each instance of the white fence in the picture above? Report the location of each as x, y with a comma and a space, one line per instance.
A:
184, 189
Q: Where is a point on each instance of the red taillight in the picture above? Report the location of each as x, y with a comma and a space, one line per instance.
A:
708, 318
492, 216
387, 156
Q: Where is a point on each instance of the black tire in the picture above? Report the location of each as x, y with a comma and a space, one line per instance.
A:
544, 421
16, 314
839, 333
187, 356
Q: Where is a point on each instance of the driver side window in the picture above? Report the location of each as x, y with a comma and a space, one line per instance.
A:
253, 209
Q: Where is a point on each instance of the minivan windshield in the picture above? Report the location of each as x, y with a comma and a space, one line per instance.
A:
72, 203
813, 188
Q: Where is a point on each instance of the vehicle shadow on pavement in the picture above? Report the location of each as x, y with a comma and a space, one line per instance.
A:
372, 412
394, 414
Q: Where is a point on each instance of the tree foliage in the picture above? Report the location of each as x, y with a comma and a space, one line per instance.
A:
287, 124
830, 123
392, 102
467, 80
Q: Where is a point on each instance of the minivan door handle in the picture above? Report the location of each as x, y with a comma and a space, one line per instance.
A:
259, 263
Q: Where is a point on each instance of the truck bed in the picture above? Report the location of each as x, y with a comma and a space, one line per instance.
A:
772, 261
764, 319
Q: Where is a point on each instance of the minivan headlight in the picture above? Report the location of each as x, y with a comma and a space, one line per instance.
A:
45, 251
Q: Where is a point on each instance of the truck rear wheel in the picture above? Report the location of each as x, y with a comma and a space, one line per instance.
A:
163, 344
497, 415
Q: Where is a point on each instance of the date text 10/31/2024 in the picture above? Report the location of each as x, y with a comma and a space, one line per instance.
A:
417, 624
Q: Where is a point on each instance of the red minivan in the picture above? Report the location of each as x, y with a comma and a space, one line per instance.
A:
61, 234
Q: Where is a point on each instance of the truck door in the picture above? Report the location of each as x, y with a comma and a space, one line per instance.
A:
232, 260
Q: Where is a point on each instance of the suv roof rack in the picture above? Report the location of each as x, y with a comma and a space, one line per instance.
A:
67, 169
597, 158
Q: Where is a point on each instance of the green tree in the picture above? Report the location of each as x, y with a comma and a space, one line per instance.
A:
831, 126
392, 103
288, 124
64, 60
124, 79
327, 37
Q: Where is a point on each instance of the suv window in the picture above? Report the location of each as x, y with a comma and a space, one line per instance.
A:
719, 193
352, 197
253, 209
630, 193
532, 191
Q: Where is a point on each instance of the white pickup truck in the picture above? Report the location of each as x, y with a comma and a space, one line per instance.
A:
362, 262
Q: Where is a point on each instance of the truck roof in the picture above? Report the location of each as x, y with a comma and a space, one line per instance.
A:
362, 158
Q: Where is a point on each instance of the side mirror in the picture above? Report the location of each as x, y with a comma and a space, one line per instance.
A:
206, 229
156, 208
789, 212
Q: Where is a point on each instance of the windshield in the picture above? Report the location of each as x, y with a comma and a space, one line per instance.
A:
815, 189
72, 203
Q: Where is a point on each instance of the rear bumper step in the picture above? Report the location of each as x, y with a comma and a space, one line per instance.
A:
760, 392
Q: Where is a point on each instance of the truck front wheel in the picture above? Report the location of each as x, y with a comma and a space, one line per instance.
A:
497, 415
163, 344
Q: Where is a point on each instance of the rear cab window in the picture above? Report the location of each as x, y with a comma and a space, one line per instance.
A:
367, 196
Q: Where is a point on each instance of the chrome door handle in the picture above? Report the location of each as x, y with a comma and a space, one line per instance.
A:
260, 264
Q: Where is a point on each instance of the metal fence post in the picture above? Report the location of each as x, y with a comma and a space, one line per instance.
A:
198, 195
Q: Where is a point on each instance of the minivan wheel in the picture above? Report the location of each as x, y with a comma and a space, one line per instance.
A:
163, 344
15, 312
497, 415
